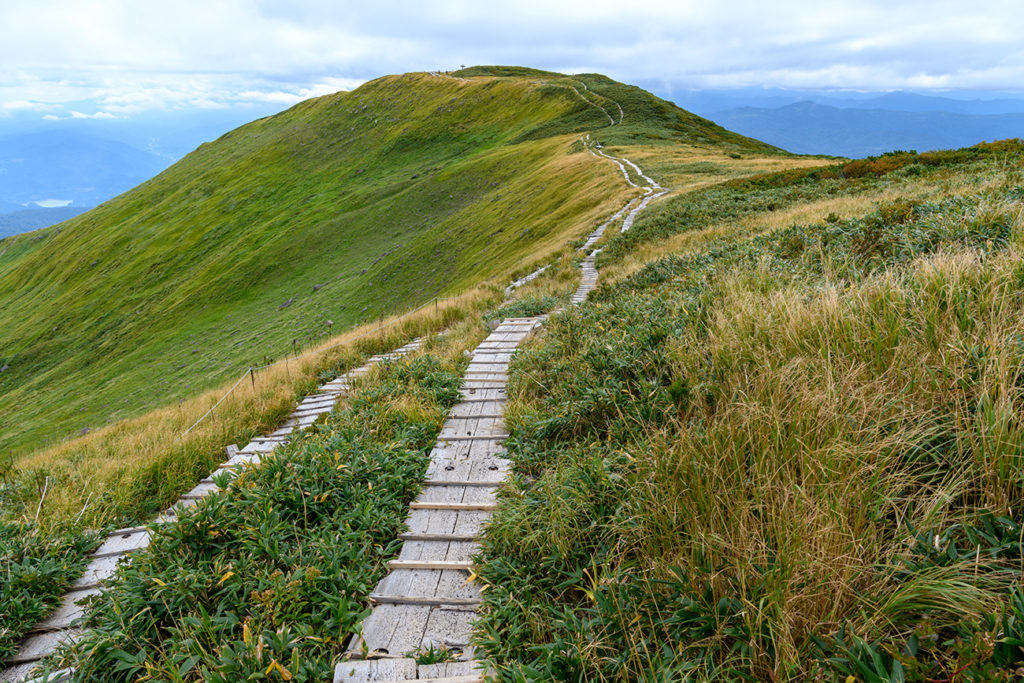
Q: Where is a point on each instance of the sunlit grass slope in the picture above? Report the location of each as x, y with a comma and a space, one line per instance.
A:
349, 207
787, 451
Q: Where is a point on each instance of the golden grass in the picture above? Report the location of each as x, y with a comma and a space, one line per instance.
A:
845, 207
122, 472
684, 167
801, 466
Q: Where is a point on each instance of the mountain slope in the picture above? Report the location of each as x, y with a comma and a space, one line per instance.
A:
339, 210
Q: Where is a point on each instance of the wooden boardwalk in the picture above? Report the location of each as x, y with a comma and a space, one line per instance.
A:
428, 600
60, 626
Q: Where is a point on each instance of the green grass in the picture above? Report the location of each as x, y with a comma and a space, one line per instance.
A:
349, 206
35, 571
124, 325
737, 199
793, 457
279, 567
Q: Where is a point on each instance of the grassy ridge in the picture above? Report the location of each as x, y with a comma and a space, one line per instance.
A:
787, 458
349, 206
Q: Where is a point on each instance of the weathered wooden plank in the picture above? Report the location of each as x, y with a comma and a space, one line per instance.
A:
428, 505
374, 670
483, 393
456, 494
117, 544
478, 409
430, 564
479, 467
68, 611
457, 584
449, 669
476, 378
473, 428
436, 537
417, 582
201, 490
481, 365
487, 355
451, 482
98, 570
448, 627
40, 645
412, 621
261, 446
417, 600
446, 550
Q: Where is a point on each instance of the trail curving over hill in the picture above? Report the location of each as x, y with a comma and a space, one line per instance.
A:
474, 426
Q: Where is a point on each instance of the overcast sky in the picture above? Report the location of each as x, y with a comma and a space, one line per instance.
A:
116, 58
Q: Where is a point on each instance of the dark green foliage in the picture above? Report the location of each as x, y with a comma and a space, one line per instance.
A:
279, 568
35, 571
526, 307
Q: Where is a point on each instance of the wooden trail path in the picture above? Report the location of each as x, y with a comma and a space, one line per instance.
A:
429, 599
60, 626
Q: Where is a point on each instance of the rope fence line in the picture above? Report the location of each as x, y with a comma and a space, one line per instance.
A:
249, 372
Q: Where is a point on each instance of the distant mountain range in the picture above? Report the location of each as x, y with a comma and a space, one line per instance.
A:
855, 124
89, 161
809, 128
27, 220
70, 166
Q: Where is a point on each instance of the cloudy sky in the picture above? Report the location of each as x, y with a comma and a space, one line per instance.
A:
117, 58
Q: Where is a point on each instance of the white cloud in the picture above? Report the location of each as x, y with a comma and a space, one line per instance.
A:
97, 115
26, 105
128, 57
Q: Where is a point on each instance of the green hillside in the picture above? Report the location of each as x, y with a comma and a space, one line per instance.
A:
341, 209
784, 445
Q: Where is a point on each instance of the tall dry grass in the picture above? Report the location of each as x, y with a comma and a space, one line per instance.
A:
733, 455
122, 473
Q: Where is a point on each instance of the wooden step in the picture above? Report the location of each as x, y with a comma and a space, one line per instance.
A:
473, 678
440, 565
434, 601
452, 506
453, 482
452, 538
